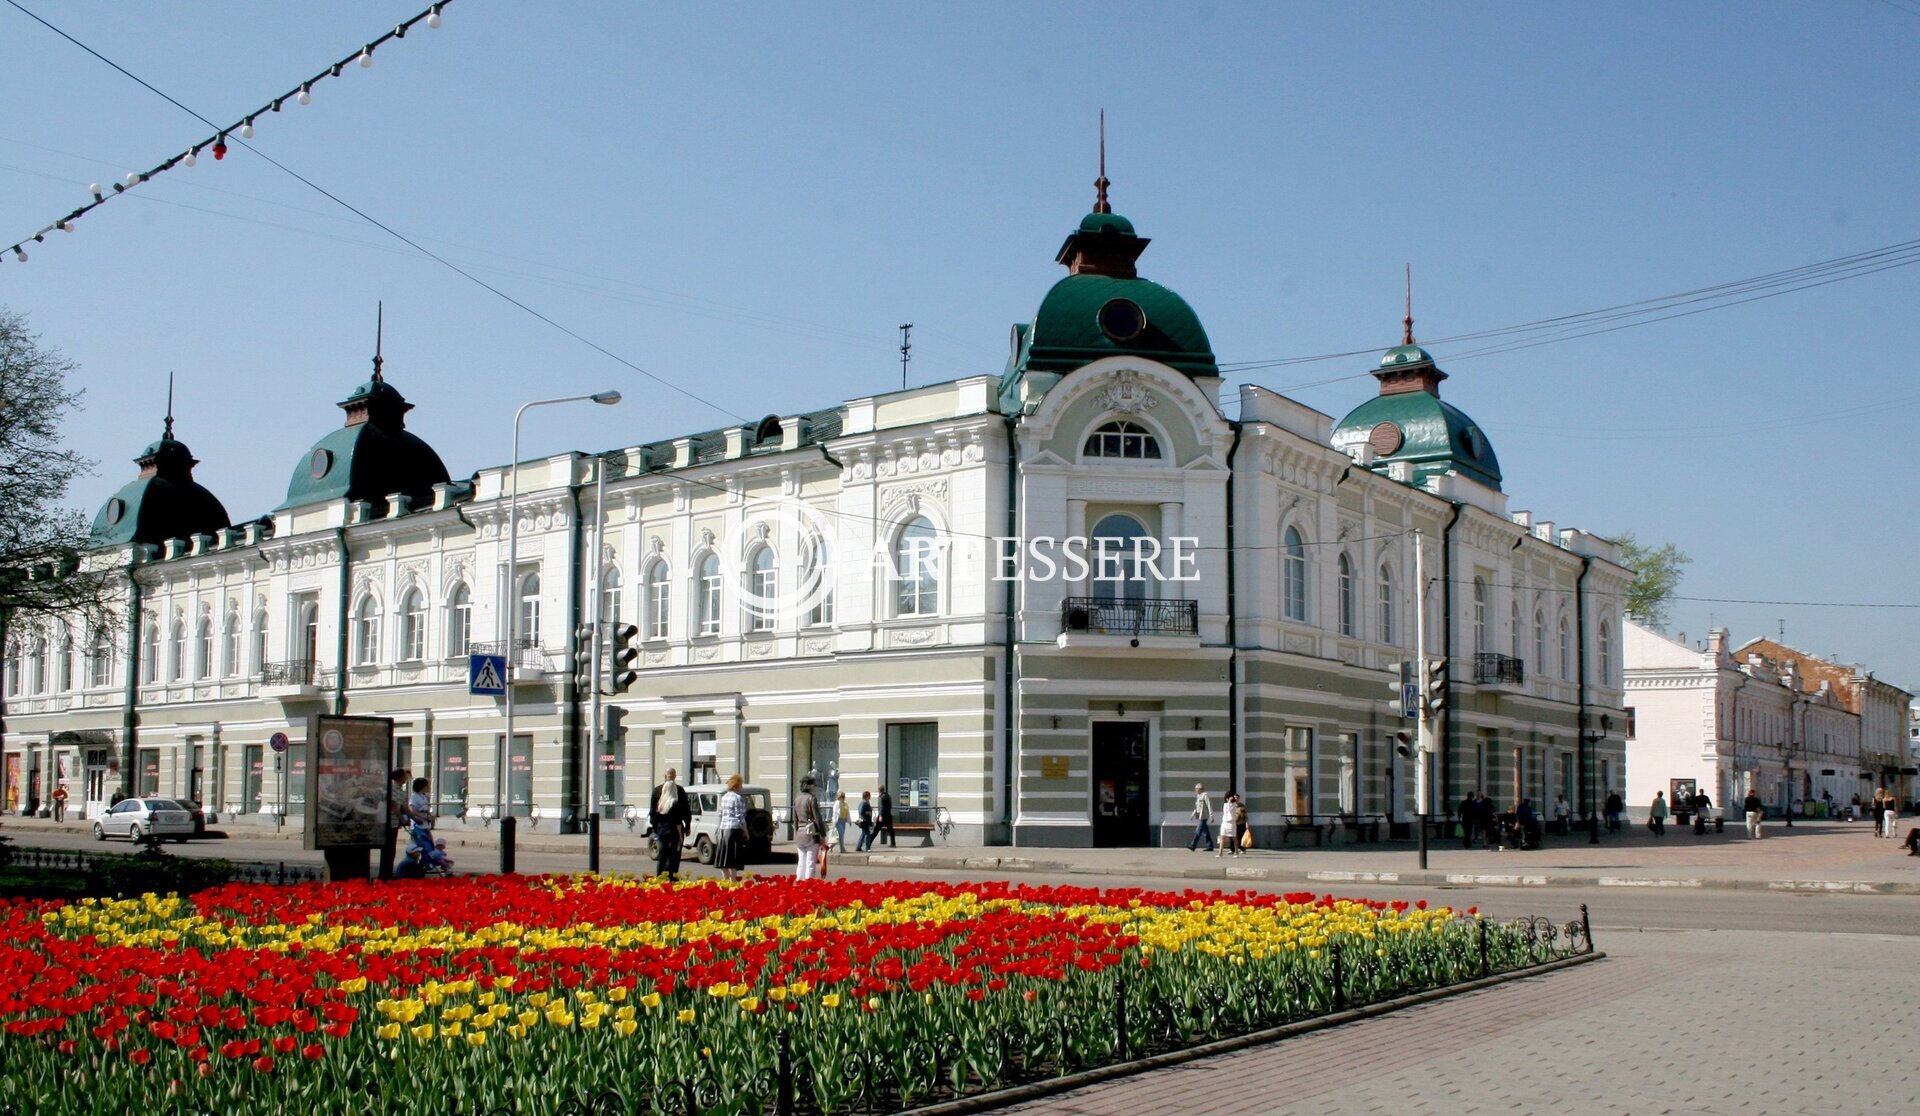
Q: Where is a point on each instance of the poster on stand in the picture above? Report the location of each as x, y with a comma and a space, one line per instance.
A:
348, 763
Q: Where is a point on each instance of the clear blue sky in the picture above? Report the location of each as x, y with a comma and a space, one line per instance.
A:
747, 199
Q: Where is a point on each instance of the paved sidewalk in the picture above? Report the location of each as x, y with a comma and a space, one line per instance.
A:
1813, 856
1692, 1023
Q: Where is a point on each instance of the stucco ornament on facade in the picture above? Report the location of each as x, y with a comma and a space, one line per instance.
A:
1126, 395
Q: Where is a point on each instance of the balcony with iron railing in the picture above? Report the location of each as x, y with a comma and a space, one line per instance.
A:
1121, 616
294, 678
1495, 671
524, 653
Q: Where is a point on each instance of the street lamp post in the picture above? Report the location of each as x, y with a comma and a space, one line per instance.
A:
1593, 741
605, 398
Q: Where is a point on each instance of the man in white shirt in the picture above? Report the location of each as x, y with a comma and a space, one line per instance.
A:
1202, 819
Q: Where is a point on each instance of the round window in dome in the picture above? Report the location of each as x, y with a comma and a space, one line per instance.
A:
116, 510
1386, 438
1122, 319
319, 463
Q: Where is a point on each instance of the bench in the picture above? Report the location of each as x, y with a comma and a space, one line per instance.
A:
1359, 827
1304, 823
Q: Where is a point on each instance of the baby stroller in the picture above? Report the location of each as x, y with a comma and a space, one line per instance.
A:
425, 856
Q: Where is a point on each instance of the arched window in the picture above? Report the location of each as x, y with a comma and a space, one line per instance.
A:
150, 652
1606, 653
1539, 642
1294, 574
1115, 552
763, 586
310, 634
413, 626
1480, 636
37, 663
179, 664
203, 646
66, 660
1519, 638
659, 599
916, 569
459, 620
1123, 439
610, 597
529, 620
1386, 605
1566, 650
816, 581
259, 638
100, 659
230, 643
13, 670
1349, 623
706, 596
366, 632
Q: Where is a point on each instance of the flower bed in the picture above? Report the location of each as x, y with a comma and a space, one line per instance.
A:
523, 993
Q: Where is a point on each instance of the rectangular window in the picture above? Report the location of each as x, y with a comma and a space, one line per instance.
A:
520, 776
253, 771
913, 770
196, 775
450, 777
1297, 761
659, 598
610, 776
149, 772
816, 751
296, 761
706, 758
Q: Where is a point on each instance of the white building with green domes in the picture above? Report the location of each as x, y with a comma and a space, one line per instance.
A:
830, 591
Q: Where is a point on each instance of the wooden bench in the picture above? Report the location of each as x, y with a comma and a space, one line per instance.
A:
1303, 823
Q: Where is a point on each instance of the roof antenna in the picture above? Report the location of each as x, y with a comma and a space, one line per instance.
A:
379, 330
167, 434
1408, 320
1100, 184
906, 351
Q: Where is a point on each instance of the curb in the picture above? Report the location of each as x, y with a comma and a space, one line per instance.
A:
1000, 1098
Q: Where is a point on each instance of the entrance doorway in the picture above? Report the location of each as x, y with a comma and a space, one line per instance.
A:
1120, 785
97, 789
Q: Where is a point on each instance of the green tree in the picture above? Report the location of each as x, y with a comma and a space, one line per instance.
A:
1656, 576
42, 543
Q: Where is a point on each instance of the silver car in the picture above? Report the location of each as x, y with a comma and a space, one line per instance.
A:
135, 818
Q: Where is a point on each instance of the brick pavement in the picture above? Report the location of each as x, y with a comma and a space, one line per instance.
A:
1695, 1022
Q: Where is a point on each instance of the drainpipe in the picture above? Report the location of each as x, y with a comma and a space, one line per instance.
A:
1008, 682
1446, 650
340, 644
1233, 627
130, 714
570, 713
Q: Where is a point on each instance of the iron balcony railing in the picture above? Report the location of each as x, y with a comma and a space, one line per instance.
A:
1490, 668
295, 672
524, 644
1120, 616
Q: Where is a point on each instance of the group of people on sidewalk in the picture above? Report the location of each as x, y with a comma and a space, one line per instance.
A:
1235, 835
670, 819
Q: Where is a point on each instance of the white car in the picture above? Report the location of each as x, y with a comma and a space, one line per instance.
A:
703, 836
135, 818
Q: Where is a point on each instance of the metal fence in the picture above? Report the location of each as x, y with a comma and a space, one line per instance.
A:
244, 871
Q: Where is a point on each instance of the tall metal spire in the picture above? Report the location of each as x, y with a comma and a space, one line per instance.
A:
166, 434
1407, 338
379, 330
1100, 184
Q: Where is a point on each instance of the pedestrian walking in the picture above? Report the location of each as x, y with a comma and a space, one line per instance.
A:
1230, 820
1614, 808
396, 817
1657, 814
1702, 807
1890, 821
865, 818
730, 837
809, 833
1756, 812
883, 821
1469, 819
842, 814
1202, 819
59, 802
1562, 814
1879, 811
669, 816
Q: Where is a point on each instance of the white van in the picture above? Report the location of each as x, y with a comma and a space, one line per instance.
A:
703, 835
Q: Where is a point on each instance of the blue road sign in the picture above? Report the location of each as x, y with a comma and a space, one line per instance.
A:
1410, 702
486, 674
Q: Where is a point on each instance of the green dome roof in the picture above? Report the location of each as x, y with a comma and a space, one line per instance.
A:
1421, 428
165, 502
1404, 355
370, 458
1078, 322
1106, 223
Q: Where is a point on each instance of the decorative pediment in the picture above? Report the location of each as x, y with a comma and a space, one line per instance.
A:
1125, 394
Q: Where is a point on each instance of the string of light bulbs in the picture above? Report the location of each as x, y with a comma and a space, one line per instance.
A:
215, 144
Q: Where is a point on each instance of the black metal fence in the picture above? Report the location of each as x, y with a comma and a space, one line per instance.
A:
243, 871
1133, 1023
1120, 616
1492, 668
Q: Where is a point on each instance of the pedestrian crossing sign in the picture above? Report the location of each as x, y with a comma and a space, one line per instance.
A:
486, 674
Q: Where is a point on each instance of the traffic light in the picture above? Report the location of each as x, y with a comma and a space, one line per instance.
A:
1403, 744
1433, 687
583, 657
1405, 701
622, 655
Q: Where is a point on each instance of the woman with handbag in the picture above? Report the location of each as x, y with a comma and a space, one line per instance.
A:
1230, 815
809, 833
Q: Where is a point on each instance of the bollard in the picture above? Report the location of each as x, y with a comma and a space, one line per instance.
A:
783, 1097
1485, 967
1339, 979
1120, 1018
507, 825
593, 842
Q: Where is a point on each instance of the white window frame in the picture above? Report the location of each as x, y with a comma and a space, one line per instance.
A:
1293, 575
412, 646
